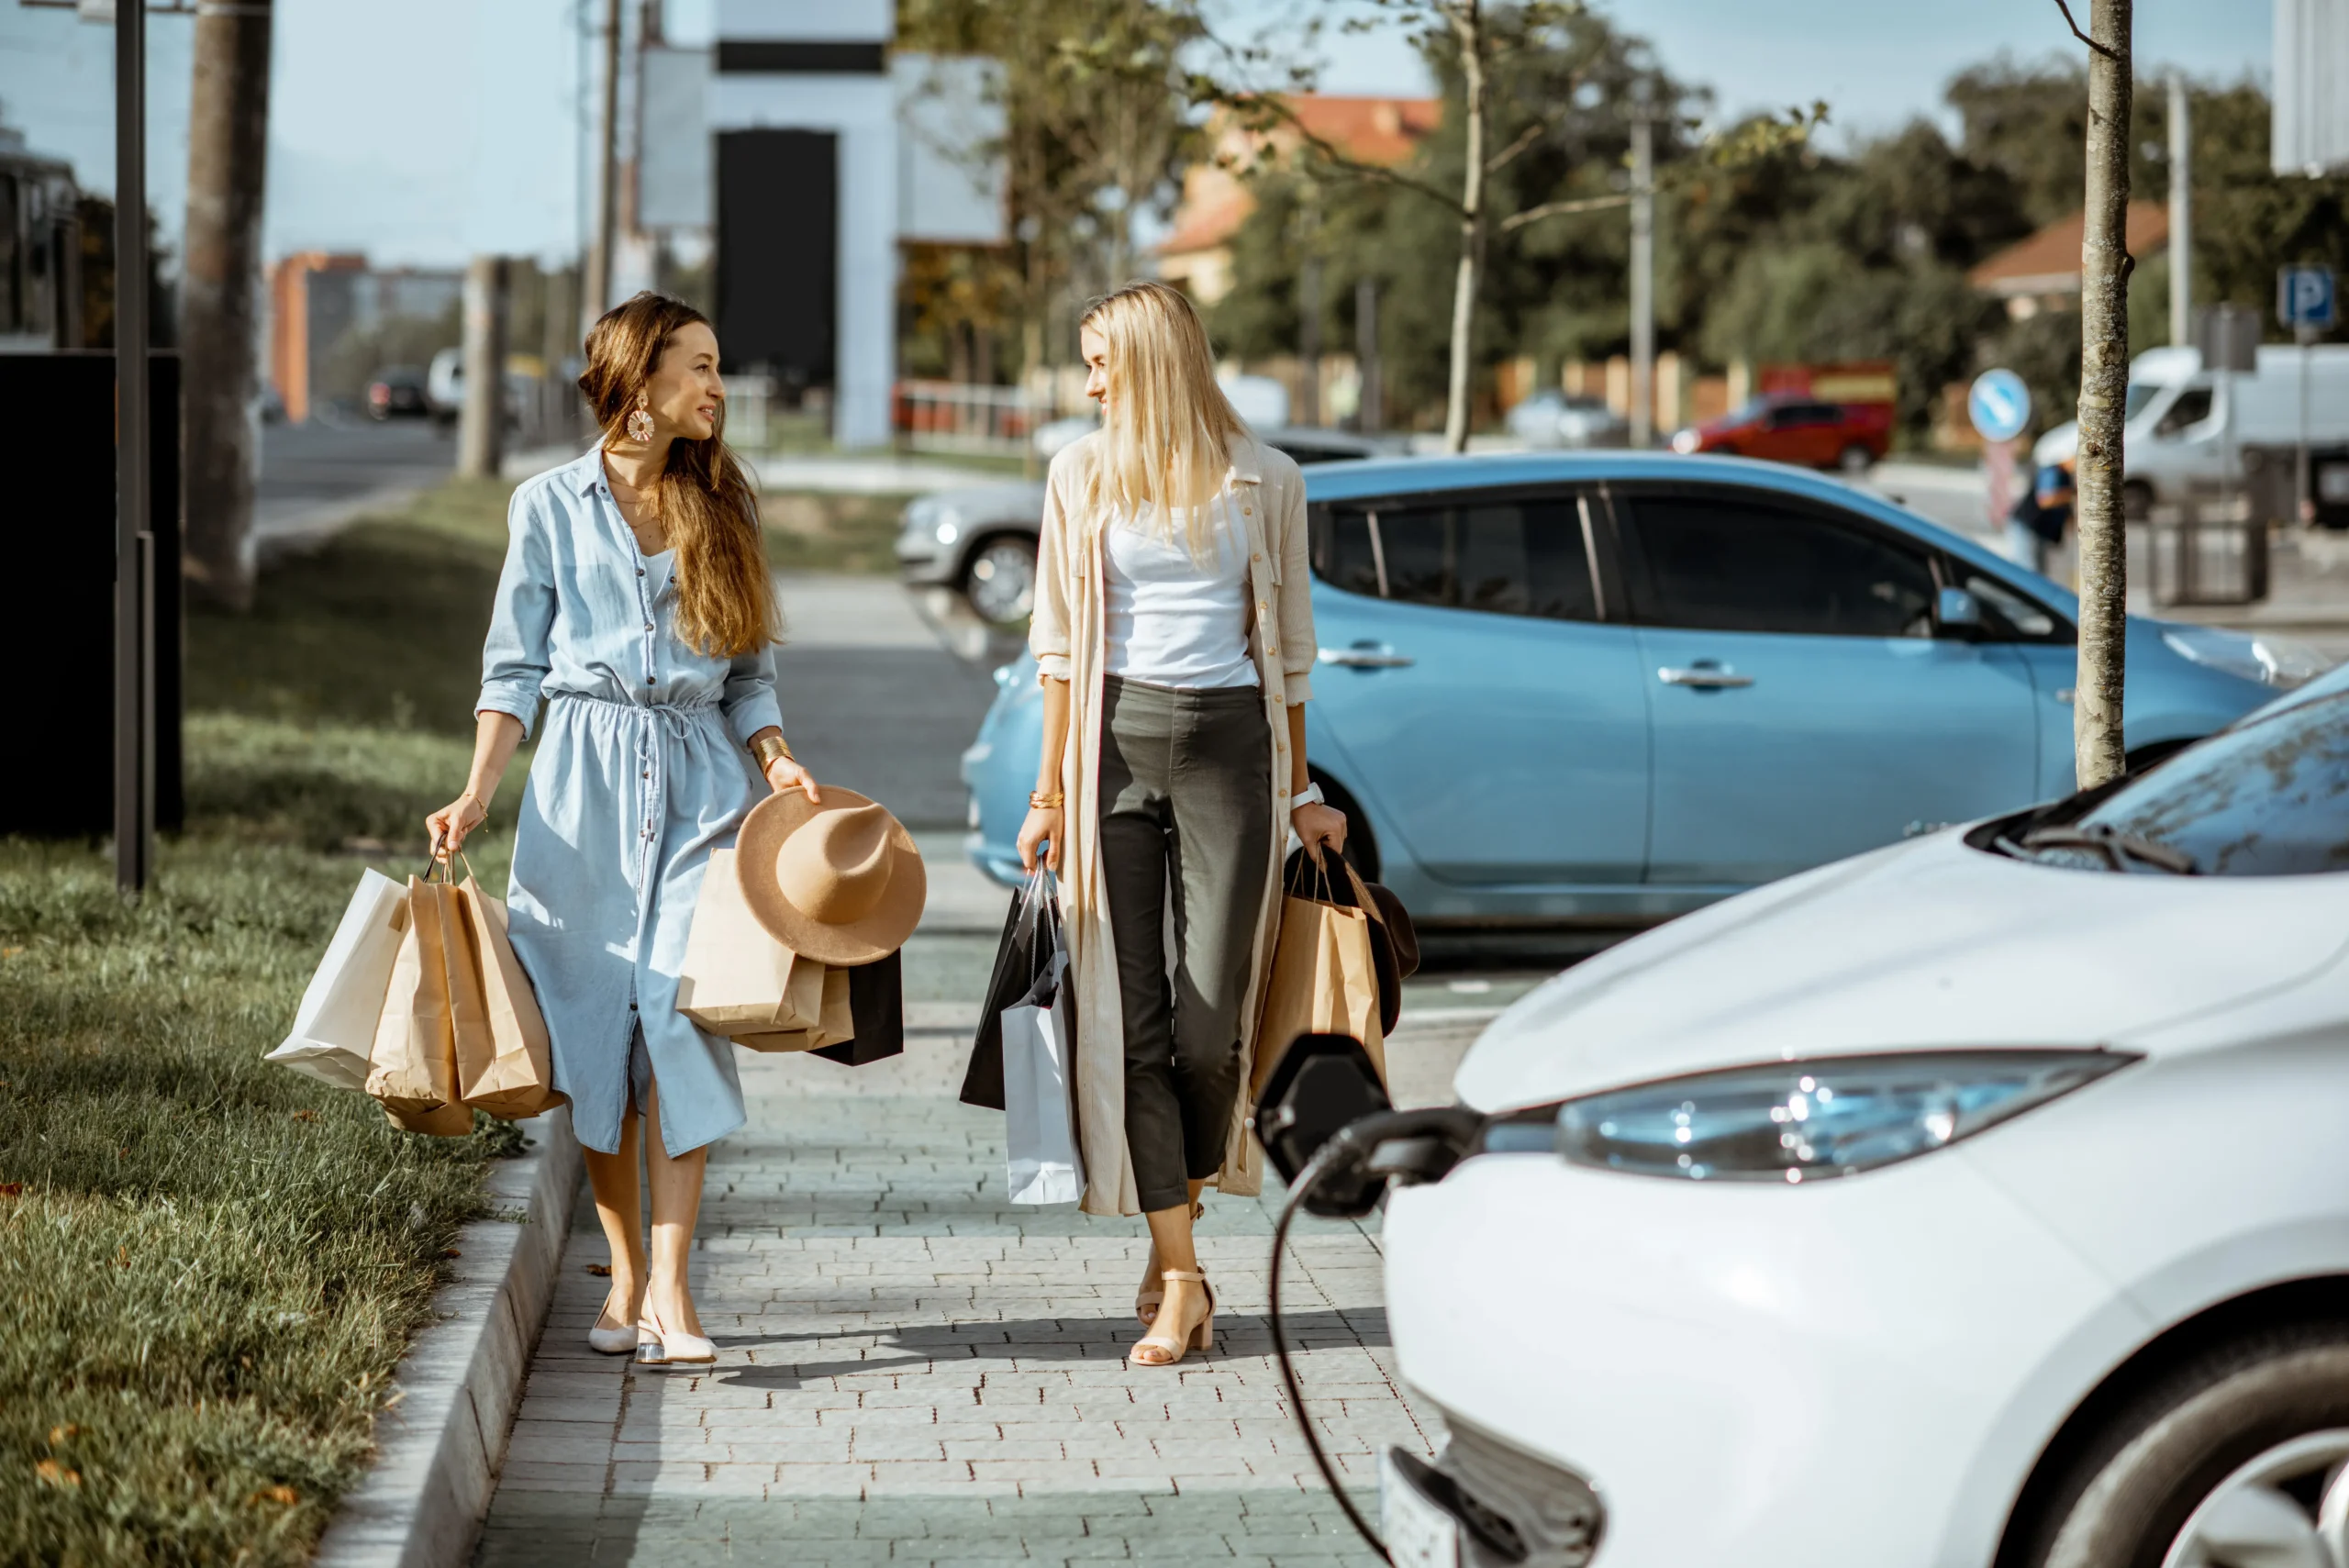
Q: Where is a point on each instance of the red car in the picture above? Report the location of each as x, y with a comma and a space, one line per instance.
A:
1800, 430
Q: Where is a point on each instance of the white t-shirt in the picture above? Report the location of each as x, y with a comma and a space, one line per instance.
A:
1169, 622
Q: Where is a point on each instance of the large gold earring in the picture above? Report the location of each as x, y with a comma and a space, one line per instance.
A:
639, 419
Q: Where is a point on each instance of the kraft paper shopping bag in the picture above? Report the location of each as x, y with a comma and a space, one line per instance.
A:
503, 1067
412, 1067
1324, 981
736, 979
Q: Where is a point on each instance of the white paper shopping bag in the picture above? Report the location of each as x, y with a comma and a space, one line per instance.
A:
334, 1029
1039, 1091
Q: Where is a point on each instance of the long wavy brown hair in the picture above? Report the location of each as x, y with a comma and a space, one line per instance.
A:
725, 598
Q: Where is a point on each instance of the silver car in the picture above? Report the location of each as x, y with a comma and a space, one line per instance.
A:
981, 541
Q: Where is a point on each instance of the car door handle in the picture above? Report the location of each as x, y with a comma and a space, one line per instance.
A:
1704, 677
1365, 656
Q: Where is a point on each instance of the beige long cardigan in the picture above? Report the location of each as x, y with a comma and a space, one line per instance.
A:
1067, 637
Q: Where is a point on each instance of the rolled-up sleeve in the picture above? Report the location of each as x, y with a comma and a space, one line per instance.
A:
1048, 633
513, 658
749, 701
1299, 651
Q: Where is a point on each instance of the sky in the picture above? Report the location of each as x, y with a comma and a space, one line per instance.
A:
420, 131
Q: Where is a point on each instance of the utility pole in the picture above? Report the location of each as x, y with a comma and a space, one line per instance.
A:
596, 296
481, 427
227, 150
2181, 214
1309, 308
1372, 416
1642, 268
2099, 753
134, 542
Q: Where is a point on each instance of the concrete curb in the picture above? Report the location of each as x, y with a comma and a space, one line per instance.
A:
439, 1450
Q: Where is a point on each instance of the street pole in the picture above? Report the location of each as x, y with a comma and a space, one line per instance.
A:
1643, 270
2181, 214
2100, 752
1309, 310
1374, 395
227, 149
481, 428
133, 544
2304, 509
596, 296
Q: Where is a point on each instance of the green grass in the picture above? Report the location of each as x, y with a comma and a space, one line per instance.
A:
811, 532
209, 1267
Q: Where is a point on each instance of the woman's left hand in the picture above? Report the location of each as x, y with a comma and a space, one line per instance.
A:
784, 774
1317, 823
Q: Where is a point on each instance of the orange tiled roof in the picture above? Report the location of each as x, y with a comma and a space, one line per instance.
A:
2049, 260
1375, 130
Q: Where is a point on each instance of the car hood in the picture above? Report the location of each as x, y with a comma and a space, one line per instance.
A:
1924, 945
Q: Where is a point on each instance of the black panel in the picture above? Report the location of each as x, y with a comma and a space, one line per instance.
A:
778, 248
67, 630
745, 55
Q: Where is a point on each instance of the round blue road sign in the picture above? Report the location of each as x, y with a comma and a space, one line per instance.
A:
2000, 405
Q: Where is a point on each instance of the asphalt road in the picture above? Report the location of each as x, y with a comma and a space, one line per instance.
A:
316, 476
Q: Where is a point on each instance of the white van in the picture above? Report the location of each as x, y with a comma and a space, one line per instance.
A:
2178, 414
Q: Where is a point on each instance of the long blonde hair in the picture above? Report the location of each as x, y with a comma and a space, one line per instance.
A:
725, 595
1169, 426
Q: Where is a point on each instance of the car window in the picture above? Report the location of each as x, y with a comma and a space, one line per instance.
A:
2140, 394
1303, 453
1343, 554
2268, 799
1516, 558
1725, 563
2193, 407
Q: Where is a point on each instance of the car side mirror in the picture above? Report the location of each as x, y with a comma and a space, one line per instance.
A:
1957, 612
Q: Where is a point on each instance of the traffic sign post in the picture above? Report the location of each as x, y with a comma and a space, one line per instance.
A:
2305, 301
1998, 403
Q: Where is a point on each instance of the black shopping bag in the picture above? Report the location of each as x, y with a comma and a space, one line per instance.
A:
876, 1000
1031, 936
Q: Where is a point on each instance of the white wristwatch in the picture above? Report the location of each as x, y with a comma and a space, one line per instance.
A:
1309, 795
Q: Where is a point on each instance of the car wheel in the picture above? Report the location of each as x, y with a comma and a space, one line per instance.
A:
1856, 459
1000, 580
2238, 1457
2136, 500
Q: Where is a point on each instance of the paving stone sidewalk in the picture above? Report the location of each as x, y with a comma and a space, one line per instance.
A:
913, 1370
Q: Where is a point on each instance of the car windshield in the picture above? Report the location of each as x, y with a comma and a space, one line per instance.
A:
2270, 798
2140, 395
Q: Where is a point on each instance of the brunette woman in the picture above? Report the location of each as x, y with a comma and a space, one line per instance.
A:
1175, 635
636, 600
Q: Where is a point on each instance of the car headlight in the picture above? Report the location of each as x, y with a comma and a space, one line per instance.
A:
1789, 1121
947, 525
2273, 661
1686, 441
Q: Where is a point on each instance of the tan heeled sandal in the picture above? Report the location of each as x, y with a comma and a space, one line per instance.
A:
1201, 1337
1147, 1299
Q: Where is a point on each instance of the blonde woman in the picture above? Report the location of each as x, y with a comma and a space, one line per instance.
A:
1173, 632
636, 602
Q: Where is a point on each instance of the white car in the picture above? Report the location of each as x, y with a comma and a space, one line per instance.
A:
1980, 1201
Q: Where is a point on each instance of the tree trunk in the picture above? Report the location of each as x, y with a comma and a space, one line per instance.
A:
2100, 752
1468, 24
228, 152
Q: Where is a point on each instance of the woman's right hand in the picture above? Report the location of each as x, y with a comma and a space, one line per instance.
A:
448, 826
1042, 825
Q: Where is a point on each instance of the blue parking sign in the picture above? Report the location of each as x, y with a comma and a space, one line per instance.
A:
2000, 405
2304, 297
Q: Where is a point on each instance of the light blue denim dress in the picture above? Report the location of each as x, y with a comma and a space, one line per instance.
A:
641, 772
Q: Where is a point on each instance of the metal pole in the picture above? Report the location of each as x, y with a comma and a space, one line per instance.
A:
598, 297
2305, 509
1643, 273
2181, 214
134, 685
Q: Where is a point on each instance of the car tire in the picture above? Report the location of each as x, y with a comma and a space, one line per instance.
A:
999, 579
1856, 459
2256, 1423
2136, 500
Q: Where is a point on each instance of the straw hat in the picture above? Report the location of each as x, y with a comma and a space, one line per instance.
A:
840, 883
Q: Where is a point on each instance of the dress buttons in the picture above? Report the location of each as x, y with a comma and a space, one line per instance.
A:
648, 625
1247, 511
639, 572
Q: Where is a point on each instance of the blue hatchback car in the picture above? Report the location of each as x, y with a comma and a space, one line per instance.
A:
1604, 690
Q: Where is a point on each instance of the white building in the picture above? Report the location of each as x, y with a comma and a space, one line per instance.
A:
809, 151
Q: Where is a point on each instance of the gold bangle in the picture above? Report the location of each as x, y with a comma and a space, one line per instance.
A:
767, 748
1038, 801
